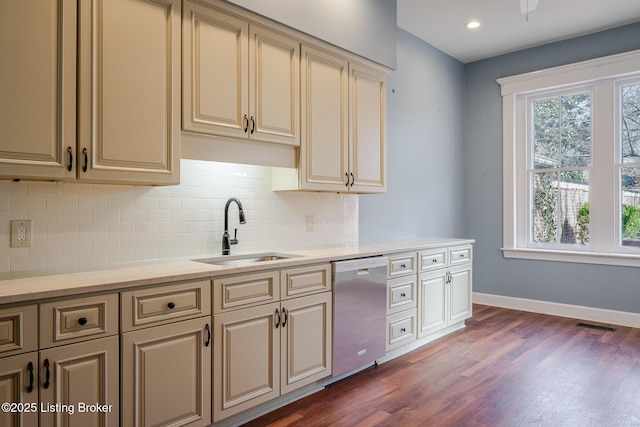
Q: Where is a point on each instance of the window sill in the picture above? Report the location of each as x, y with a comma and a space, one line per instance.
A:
628, 260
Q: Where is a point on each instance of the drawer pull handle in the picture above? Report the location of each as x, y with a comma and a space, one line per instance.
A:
171, 305
277, 318
30, 368
402, 295
47, 373
284, 321
403, 330
403, 265
434, 260
461, 255
208, 341
82, 321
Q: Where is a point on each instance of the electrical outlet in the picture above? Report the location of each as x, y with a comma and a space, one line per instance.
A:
310, 223
21, 233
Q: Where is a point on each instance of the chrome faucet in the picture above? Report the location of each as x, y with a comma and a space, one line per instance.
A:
226, 240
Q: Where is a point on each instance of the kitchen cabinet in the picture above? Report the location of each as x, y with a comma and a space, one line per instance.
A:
129, 91
38, 103
241, 79
445, 286
79, 359
126, 91
343, 113
19, 364
81, 373
264, 351
401, 299
166, 355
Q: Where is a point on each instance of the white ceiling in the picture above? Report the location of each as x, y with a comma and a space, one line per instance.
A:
441, 23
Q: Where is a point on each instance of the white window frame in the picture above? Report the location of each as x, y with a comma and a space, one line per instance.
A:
602, 75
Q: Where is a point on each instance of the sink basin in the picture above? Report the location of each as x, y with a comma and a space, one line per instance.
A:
245, 259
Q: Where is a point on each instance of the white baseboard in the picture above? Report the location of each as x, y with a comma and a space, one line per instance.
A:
599, 315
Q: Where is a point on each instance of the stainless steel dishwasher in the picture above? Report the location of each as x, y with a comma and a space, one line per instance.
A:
359, 312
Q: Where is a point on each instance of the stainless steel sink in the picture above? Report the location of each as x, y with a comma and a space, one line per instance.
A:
245, 259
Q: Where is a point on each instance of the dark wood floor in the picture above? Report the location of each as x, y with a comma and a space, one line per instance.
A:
506, 368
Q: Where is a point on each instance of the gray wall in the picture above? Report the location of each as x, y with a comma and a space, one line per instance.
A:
608, 287
365, 27
425, 194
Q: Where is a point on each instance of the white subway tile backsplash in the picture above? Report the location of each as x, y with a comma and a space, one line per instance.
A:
79, 227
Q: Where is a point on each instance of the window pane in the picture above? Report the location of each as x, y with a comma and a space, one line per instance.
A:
630, 206
630, 126
574, 207
546, 133
576, 130
561, 207
545, 194
562, 131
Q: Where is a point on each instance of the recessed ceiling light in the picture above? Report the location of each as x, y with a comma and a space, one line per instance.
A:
472, 25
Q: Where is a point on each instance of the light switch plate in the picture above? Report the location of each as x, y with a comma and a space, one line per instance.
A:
21, 233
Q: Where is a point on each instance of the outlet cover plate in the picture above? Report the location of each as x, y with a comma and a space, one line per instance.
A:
21, 233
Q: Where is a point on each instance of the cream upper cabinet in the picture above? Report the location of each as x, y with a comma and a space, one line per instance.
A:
343, 117
367, 121
240, 79
324, 150
38, 87
129, 91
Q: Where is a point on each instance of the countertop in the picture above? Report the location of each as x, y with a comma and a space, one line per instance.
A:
13, 290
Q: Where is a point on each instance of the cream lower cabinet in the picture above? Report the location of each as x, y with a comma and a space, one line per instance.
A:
264, 351
166, 375
83, 376
401, 299
19, 385
444, 293
166, 355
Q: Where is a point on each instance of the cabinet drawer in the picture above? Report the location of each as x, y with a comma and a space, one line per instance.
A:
78, 319
305, 280
245, 290
401, 328
18, 329
401, 264
433, 259
165, 304
401, 293
459, 255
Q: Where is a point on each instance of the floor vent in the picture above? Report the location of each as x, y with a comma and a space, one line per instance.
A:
600, 328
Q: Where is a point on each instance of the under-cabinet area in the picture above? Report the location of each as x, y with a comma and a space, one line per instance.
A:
213, 345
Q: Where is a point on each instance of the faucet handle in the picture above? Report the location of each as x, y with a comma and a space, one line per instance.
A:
234, 241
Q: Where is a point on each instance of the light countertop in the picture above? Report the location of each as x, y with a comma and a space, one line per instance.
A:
23, 289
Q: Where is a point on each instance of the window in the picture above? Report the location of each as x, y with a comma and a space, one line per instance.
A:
571, 146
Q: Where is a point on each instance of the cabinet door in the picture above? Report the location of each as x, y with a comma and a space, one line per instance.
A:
166, 375
76, 374
129, 83
460, 300
215, 81
367, 156
306, 342
17, 373
274, 87
38, 87
432, 307
246, 370
324, 146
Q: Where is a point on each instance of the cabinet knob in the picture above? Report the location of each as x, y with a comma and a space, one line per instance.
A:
82, 321
171, 305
